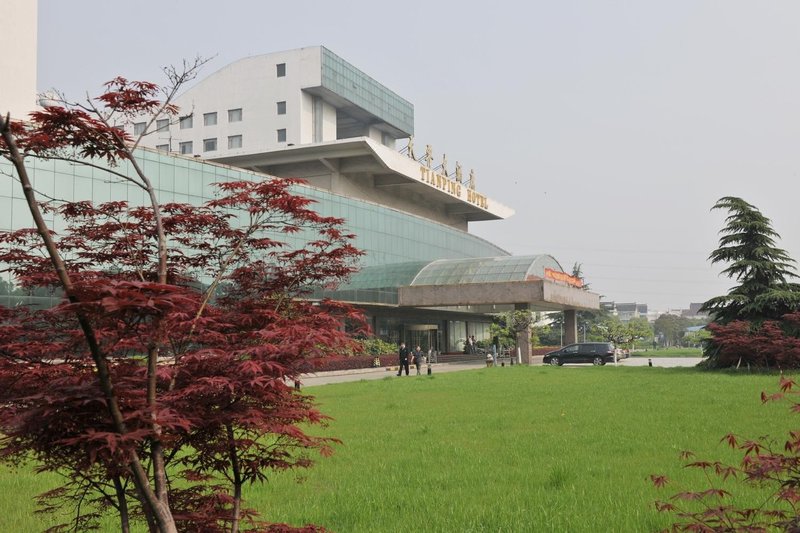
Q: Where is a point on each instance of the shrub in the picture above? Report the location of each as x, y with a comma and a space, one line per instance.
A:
769, 344
376, 346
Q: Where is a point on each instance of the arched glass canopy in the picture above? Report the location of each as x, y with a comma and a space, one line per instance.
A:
379, 284
485, 270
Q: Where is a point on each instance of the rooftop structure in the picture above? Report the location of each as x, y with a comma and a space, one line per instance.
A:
273, 101
308, 113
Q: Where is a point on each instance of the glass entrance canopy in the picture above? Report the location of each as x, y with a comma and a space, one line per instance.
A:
380, 283
485, 270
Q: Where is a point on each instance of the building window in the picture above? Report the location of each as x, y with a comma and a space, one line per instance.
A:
281, 68
234, 141
210, 119
281, 108
282, 135
185, 147
235, 115
138, 128
162, 147
209, 145
186, 122
162, 124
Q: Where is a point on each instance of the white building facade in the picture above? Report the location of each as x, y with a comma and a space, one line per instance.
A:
18, 35
309, 114
273, 101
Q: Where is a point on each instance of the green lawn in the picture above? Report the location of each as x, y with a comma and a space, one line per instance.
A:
502, 449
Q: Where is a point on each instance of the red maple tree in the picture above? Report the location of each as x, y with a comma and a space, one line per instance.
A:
771, 343
158, 387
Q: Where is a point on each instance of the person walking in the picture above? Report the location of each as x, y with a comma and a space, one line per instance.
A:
473, 345
403, 359
418, 358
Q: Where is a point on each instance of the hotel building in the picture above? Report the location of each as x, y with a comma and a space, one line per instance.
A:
308, 113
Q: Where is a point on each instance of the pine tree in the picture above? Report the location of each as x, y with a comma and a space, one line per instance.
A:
763, 271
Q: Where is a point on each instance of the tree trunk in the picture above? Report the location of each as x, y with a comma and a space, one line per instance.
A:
237, 479
156, 449
162, 514
122, 506
152, 527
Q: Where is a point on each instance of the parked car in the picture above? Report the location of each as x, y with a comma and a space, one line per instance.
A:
598, 353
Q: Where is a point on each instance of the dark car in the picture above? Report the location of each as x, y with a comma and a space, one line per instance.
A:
598, 353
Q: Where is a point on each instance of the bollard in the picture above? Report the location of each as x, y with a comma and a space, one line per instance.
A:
502, 363
429, 368
649, 362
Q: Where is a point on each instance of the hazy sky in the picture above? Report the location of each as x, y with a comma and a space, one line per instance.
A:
610, 127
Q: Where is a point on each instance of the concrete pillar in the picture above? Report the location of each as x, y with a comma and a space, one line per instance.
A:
570, 326
523, 338
524, 341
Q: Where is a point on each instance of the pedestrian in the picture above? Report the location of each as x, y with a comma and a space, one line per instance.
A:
403, 359
418, 358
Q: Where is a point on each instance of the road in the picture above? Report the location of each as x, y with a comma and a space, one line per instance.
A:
667, 362
341, 376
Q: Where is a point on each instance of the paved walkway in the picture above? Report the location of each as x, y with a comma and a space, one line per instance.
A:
667, 362
341, 376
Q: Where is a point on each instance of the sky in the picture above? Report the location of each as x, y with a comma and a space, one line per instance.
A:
611, 128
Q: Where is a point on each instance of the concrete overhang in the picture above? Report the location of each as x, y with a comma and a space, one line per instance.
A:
539, 295
363, 158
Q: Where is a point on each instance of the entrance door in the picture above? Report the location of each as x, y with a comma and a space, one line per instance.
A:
426, 337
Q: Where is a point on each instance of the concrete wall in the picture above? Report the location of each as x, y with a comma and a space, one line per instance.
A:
541, 294
18, 63
398, 198
253, 85
570, 297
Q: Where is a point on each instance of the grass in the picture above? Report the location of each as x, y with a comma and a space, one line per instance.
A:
502, 449
17, 506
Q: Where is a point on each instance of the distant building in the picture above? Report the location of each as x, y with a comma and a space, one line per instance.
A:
629, 311
694, 311
625, 311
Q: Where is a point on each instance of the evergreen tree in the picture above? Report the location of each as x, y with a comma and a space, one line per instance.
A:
762, 270
577, 272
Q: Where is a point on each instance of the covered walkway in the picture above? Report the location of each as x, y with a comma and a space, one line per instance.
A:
498, 284
484, 285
